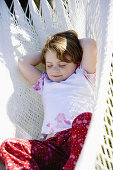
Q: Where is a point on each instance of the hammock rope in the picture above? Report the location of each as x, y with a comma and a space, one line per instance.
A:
20, 107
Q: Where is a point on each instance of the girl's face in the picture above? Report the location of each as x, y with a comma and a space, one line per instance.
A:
56, 69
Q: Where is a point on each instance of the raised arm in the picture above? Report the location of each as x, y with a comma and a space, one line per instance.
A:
27, 67
89, 59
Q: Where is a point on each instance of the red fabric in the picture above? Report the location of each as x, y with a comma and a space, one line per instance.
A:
59, 152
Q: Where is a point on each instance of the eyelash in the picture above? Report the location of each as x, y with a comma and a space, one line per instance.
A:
49, 66
59, 66
62, 65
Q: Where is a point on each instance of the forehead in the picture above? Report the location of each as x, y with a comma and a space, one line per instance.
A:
51, 55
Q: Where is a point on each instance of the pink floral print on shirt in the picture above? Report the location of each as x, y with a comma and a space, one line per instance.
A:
61, 120
51, 129
37, 86
40, 83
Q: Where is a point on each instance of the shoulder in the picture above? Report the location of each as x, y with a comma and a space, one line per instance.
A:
89, 58
38, 86
90, 77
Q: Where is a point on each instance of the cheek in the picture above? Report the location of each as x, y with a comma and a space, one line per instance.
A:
65, 72
69, 71
48, 71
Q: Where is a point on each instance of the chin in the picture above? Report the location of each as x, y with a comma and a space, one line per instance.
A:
56, 79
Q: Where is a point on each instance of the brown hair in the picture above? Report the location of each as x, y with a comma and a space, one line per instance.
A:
64, 43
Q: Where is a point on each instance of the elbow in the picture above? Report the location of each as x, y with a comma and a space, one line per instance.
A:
20, 60
93, 49
93, 45
20, 63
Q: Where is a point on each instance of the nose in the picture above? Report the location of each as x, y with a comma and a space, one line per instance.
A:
55, 68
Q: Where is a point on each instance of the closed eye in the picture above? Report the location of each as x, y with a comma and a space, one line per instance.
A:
62, 65
48, 66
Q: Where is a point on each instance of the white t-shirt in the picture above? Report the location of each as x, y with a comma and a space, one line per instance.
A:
64, 101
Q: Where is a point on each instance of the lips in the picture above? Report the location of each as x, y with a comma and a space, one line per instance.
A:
56, 76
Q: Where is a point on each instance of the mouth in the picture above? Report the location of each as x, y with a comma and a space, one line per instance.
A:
56, 76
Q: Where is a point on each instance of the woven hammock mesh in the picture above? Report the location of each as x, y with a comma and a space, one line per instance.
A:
25, 31
105, 157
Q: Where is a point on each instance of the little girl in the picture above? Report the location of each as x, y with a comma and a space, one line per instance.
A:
68, 96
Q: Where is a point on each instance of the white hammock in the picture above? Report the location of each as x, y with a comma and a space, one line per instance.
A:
21, 111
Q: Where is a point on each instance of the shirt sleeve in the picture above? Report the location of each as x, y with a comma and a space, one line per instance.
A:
90, 77
40, 83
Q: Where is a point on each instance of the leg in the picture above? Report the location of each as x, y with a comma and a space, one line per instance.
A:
15, 153
33, 154
79, 131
